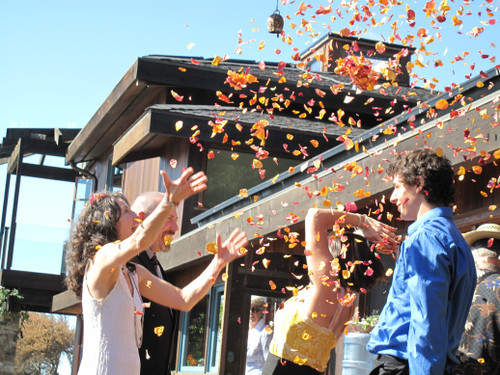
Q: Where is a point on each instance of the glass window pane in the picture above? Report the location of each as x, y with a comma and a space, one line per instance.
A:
193, 338
228, 176
84, 188
215, 328
42, 224
114, 178
315, 65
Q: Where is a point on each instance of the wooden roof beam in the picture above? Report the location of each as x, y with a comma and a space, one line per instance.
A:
123, 93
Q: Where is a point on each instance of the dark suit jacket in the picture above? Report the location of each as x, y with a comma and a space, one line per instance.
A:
161, 349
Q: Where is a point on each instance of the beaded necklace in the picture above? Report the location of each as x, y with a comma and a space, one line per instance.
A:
138, 315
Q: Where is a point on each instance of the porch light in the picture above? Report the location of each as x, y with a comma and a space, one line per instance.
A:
275, 22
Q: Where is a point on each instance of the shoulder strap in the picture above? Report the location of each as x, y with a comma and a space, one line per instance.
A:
336, 315
133, 282
486, 275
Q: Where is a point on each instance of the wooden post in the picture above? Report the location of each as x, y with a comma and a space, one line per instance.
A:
236, 307
3, 231
19, 172
78, 345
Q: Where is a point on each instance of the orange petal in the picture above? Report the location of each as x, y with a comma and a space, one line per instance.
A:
442, 104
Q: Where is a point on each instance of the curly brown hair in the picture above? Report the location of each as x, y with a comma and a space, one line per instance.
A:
357, 260
436, 171
96, 226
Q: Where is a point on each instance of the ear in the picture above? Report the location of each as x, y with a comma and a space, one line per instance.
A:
420, 184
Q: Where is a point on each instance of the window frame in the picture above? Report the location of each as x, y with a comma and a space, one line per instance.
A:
111, 175
210, 348
216, 307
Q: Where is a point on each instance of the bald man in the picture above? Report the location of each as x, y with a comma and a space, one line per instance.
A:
157, 351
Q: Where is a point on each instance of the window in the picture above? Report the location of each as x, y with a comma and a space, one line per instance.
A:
315, 65
83, 189
201, 334
39, 235
192, 354
228, 176
215, 329
114, 177
379, 62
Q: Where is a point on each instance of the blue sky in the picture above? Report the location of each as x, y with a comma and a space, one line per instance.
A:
61, 59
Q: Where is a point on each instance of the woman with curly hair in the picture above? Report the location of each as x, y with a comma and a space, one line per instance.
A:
107, 235
340, 265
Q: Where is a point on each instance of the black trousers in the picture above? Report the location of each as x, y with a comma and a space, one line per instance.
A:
276, 366
386, 364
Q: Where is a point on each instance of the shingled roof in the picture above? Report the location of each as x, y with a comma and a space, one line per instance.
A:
200, 79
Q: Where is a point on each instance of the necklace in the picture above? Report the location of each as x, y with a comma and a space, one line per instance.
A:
138, 314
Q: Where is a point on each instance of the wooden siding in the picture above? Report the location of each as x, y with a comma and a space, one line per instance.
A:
174, 159
141, 176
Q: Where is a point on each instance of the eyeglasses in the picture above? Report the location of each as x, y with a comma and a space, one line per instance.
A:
255, 309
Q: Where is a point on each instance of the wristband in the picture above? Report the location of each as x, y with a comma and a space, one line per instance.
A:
169, 202
364, 224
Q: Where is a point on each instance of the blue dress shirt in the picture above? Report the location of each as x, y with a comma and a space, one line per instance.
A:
430, 296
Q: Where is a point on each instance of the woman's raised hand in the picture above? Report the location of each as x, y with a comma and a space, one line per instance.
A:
188, 184
382, 234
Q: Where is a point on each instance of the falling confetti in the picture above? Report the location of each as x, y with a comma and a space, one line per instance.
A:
212, 248
159, 330
167, 240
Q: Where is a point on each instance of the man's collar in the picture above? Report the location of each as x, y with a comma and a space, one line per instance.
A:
150, 253
435, 212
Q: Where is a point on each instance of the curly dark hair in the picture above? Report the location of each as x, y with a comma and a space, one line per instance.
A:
96, 226
436, 171
358, 251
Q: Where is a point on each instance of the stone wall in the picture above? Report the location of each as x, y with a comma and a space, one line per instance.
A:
9, 327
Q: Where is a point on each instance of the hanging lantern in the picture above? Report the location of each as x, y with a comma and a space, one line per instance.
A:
275, 22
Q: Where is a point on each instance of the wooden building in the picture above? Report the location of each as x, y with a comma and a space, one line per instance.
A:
17, 146
161, 115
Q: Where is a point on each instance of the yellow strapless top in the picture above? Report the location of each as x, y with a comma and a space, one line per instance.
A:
299, 339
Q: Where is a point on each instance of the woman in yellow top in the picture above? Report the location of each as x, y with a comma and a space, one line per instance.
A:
340, 264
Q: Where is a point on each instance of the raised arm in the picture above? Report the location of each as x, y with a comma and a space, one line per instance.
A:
318, 223
184, 299
101, 276
185, 186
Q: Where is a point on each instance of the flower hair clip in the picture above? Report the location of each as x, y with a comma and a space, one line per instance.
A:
140, 217
95, 197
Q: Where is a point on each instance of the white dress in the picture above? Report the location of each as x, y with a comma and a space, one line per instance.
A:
111, 326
